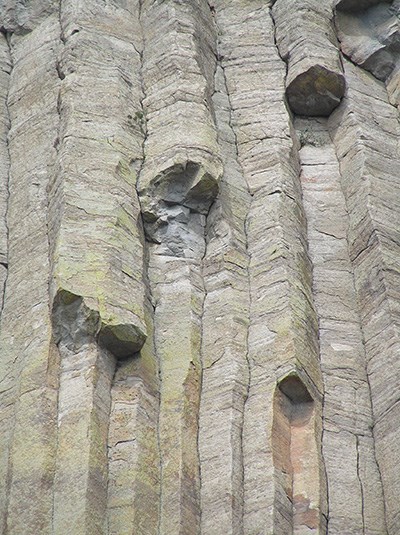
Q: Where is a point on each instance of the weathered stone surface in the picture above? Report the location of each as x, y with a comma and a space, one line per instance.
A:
5, 69
178, 294
365, 133
94, 232
28, 368
371, 38
354, 487
21, 17
199, 305
133, 448
307, 42
224, 338
81, 475
282, 332
180, 174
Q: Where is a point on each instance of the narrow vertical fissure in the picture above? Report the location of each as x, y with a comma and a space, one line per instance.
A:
4, 255
326, 512
361, 484
248, 254
150, 296
61, 76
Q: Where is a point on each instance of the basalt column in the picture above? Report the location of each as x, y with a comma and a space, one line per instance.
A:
177, 184
282, 339
28, 366
354, 483
97, 286
365, 132
199, 267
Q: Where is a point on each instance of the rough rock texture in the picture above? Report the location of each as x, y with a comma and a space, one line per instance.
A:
306, 40
199, 267
371, 38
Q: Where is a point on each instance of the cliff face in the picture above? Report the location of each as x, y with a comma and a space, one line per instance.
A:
199, 267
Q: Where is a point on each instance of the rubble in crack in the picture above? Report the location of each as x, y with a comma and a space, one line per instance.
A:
199, 267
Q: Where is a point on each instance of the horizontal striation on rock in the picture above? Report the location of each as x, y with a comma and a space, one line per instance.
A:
133, 449
95, 234
177, 184
224, 341
354, 486
29, 365
199, 264
182, 168
307, 41
365, 133
283, 329
133, 440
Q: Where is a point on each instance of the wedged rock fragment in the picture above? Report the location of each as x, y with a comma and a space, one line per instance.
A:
307, 42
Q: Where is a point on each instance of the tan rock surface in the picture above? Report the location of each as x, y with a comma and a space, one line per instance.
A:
199, 267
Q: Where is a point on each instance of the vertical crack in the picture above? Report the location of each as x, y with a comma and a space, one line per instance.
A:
7, 36
360, 482
56, 146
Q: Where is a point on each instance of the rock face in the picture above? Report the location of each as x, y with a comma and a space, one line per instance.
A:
199, 267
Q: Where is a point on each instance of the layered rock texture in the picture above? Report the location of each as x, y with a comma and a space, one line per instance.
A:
199, 267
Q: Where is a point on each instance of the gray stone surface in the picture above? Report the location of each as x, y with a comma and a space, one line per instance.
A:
28, 368
354, 487
199, 304
95, 237
365, 133
307, 42
371, 38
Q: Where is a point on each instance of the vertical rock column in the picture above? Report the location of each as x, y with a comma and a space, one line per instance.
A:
365, 133
97, 285
224, 344
177, 184
283, 329
307, 41
354, 483
133, 452
28, 367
